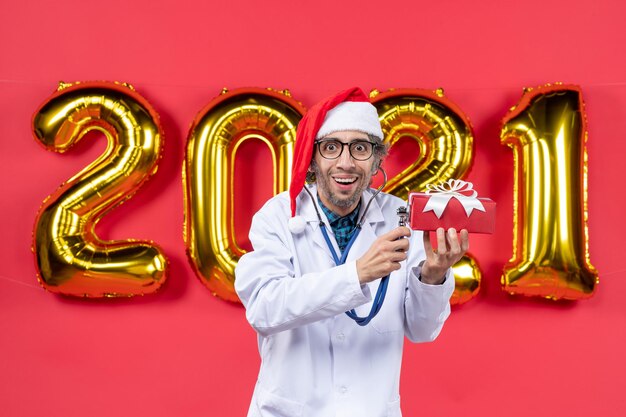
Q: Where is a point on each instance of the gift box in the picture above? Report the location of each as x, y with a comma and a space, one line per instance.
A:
451, 204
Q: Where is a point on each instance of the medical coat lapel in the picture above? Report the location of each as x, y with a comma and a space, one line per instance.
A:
313, 223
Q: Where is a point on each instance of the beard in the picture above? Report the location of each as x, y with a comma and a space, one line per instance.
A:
339, 199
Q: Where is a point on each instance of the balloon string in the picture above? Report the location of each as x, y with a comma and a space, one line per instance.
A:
15, 281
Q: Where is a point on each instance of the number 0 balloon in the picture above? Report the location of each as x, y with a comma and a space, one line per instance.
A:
215, 135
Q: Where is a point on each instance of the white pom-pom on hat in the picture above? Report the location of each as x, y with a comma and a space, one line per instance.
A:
297, 224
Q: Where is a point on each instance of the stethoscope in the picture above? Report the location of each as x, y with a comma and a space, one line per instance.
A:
382, 288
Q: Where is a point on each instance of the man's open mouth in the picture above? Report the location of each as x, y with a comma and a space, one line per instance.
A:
345, 181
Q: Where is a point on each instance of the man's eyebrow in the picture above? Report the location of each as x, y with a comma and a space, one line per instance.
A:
339, 140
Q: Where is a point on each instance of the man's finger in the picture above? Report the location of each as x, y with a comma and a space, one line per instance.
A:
396, 233
453, 239
428, 247
398, 257
464, 240
401, 245
441, 241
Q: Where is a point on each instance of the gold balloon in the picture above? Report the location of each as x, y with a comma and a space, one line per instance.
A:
467, 277
216, 133
547, 132
446, 142
71, 259
442, 132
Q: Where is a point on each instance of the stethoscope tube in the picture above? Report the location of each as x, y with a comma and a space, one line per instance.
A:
382, 287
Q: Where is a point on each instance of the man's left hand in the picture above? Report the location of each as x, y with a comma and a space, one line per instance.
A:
448, 252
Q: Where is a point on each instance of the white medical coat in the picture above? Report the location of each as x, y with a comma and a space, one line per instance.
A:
315, 360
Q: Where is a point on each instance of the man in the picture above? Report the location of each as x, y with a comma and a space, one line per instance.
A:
316, 360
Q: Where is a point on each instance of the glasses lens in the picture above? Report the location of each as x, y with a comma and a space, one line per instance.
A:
361, 150
330, 149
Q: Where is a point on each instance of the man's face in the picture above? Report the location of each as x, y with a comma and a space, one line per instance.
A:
341, 181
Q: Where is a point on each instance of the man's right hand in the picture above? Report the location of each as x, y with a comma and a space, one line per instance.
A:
384, 256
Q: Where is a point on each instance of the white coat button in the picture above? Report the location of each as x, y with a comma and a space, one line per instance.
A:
341, 336
343, 389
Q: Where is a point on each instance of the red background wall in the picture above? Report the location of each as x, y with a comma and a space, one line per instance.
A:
183, 352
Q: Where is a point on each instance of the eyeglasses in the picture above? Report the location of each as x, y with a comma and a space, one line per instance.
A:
361, 150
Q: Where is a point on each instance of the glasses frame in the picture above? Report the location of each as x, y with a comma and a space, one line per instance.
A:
349, 145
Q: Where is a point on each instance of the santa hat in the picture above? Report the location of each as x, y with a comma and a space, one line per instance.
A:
347, 110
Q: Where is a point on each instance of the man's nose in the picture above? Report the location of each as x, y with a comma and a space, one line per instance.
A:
345, 160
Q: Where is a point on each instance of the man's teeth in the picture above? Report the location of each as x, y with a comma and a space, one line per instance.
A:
345, 180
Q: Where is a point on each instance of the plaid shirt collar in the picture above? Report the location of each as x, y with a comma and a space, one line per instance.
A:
343, 227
